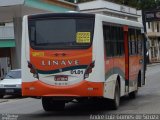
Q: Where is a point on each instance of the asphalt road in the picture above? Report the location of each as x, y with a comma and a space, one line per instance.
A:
147, 102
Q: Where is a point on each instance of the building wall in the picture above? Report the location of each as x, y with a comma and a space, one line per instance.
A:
16, 51
6, 32
153, 32
7, 41
109, 8
14, 11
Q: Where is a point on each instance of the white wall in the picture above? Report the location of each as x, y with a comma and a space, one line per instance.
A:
16, 52
6, 32
11, 2
105, 4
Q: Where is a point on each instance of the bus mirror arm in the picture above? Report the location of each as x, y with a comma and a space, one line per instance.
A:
147, 43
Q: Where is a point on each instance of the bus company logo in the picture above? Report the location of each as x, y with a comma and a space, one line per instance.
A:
37, 54
59, 62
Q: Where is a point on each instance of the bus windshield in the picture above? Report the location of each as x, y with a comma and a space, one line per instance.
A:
61, 33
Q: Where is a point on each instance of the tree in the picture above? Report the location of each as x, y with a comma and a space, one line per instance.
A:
139, 4
147, 4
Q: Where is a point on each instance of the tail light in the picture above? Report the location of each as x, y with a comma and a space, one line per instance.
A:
33, 70
89, 70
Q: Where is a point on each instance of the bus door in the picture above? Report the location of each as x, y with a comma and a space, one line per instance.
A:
107, 33
125, 30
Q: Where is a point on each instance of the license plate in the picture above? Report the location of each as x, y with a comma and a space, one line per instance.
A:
9, 91
61, 78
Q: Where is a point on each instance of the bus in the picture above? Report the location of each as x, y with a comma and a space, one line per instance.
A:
80, 56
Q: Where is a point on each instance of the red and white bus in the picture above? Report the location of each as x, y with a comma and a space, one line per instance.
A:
70, 56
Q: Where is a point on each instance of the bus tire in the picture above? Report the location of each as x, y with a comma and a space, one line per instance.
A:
51, 105
133, 94
116, 101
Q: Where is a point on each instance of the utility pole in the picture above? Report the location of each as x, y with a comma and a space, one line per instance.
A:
144, 45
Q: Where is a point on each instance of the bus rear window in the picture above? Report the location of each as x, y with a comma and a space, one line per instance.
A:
61, 33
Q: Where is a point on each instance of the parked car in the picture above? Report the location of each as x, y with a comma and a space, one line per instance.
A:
11, 84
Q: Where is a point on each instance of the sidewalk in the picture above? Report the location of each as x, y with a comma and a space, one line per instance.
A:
153, 64
3, 100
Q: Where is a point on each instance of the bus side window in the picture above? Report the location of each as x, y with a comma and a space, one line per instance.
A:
132, 41
113, 40
107, 40
129, 42
120, 41
136, 42
139, 42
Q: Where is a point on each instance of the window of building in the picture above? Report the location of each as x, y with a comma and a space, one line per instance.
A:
139, 41
152, 26
149, 25
157, 26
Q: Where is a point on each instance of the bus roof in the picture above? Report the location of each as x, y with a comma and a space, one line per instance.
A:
103, 18
110, 19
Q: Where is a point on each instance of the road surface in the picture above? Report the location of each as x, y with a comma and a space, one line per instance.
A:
147, 102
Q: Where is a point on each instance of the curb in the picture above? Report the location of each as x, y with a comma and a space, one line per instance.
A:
2, 100
153, 64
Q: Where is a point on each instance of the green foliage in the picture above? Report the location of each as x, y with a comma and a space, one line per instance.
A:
139, 4
147, 4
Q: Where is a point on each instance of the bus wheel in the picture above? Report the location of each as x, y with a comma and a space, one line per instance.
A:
133, 94
51, 105
116, 101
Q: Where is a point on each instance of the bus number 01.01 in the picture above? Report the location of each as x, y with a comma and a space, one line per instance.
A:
76, 71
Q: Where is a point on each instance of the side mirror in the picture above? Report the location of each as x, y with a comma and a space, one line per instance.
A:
147, 45
147, 42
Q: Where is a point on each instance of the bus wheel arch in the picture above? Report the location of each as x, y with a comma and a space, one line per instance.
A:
116, 101
133, 94
119, 82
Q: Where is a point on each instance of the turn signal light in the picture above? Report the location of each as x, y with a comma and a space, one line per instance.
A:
89, 70
33, 70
